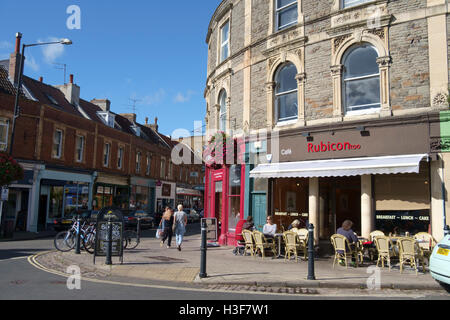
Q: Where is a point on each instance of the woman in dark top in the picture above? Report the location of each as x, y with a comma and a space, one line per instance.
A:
167, 223
249, 224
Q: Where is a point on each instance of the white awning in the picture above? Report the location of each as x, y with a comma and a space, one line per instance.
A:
340, 167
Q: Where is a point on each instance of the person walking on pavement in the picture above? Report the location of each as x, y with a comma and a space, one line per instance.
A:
167, 225
180, 222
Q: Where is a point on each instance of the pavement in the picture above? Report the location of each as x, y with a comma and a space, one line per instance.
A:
151, 263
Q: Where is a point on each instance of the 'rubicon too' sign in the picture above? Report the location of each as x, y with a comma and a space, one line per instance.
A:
332, 147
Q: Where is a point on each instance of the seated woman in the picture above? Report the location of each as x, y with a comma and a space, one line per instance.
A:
295, 226
346, 231
270, 228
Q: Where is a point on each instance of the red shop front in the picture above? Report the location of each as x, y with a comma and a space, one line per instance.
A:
225, 193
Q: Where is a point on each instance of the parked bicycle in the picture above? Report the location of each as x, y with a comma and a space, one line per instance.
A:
65, 241
131, 238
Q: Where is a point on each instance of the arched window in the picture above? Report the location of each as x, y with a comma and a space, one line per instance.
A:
286, 99
361, 80
223, 111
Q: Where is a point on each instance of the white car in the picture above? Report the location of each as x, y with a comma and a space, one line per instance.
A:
440, 263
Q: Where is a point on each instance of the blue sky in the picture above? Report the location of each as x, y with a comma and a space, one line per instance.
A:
153, 51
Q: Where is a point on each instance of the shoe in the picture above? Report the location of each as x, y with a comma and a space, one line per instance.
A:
168, 247
179, 248
161, 243
342, 263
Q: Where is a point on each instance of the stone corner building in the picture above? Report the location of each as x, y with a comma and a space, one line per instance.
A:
353, 90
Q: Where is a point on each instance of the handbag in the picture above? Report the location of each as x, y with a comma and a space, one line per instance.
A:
159, 233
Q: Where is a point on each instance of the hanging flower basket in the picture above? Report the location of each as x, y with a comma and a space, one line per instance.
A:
10, 170
221, 149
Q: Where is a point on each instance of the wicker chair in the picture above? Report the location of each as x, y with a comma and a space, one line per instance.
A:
249, 242
261, 244
343, 250
292, 244
372, 235
385, 250
428, 245
303, 235
410, 253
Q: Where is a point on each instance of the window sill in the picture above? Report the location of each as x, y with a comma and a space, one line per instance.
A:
286, 123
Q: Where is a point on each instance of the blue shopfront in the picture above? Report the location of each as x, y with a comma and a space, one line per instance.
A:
60, 193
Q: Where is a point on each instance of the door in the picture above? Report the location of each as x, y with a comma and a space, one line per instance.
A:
218, 205
42, 218
259, 210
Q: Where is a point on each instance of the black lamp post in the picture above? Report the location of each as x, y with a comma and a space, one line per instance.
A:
19, 82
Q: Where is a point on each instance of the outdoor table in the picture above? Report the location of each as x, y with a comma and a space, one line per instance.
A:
279, 237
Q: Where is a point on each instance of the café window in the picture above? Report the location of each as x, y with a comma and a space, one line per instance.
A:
403, 202
361, 80
286, 13
4, 127
234, 198
286, 98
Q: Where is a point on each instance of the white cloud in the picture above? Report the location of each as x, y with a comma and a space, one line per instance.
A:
53, 51
182, 98
154, 98
31, 63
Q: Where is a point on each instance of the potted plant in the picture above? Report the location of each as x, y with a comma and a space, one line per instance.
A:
10, 170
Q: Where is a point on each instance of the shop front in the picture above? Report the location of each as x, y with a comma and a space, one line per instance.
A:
164, 195
190, 198
142, 194
61, 192
378, 177
111, 190
225, 188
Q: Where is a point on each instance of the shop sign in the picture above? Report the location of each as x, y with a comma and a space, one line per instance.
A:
166, 190
332, 147
105, 217
5, 194
211, 229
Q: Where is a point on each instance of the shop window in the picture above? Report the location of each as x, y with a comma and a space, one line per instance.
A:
76, 197
286, 98
225, 41
353, 3
286, 13
234, 198
79, 148
56, 202
361, 80
4, 126
57, 144
223, 111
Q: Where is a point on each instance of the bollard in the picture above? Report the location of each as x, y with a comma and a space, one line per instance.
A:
109, 244
203, 252
139, 230
311, 275
78, 240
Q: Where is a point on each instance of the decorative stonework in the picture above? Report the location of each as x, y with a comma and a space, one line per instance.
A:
337, 70
338, 41
384, 61
270, 62
440, 144
441, 99
300, 77
380, 33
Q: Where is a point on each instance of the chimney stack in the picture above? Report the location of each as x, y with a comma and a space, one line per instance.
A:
130, 116
155, 126
14, 61
71, 91
41, 79
104, 104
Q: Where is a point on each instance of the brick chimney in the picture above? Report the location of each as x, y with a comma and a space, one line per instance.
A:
155, 126
130, 116
71, 91
104, 104
14, 61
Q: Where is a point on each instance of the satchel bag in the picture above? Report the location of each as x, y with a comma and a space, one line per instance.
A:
159, 233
